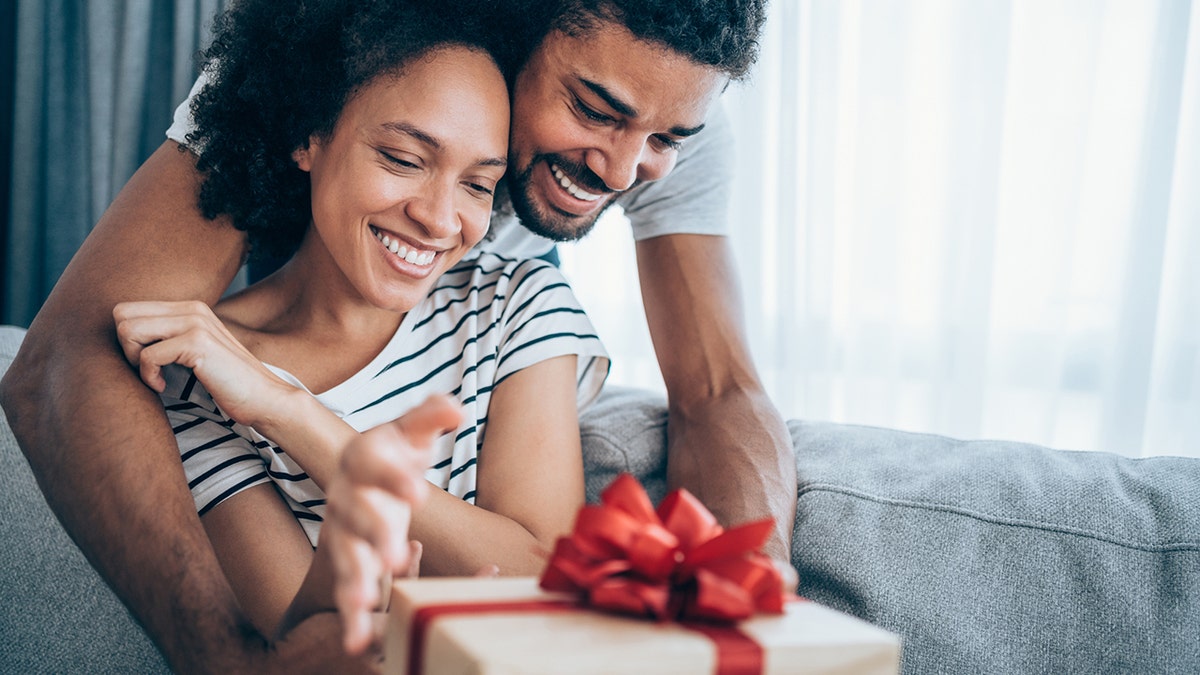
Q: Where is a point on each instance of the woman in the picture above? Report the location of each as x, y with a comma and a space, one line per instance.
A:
369, 138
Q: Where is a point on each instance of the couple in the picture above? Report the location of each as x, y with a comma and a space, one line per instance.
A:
613, 97
961, 547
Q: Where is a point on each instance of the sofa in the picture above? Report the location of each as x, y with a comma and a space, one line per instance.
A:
984, 556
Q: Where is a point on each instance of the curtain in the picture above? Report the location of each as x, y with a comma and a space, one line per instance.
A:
95, 85
978, 219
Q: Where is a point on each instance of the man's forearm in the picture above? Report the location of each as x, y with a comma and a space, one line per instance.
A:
735, 454
113, 479
98, 440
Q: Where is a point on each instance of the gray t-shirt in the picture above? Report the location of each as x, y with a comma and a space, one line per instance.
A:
692, 199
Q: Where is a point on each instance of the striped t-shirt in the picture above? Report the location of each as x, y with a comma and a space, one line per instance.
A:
485, 319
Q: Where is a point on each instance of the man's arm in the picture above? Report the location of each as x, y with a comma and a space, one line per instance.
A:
727, 444
97, 438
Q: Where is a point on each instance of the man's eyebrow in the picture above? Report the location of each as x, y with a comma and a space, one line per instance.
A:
611, 99
686, 131
428, 139
627, 110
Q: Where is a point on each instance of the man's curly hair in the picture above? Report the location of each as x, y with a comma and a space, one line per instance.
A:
722, 34
280, 72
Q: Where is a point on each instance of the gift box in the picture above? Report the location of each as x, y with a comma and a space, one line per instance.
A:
489, 626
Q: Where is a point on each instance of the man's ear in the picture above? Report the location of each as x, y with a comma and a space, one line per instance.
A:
302, 156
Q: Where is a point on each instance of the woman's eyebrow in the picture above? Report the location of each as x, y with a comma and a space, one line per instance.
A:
429, 139
409, 130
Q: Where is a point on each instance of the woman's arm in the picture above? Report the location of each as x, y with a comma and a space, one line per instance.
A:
529, 480
155, 334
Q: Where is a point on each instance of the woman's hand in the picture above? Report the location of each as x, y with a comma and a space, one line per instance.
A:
154, 334
369, 506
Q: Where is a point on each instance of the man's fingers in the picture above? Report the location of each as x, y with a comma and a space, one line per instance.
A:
791, 578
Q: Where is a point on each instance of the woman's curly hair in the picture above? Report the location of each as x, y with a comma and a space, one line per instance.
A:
280, 72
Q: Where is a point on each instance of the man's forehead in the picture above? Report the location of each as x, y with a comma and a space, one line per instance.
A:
633, 74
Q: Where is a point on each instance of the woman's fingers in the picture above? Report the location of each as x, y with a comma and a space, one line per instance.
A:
369, 507
422, 425
155, 334
415, 549
374, 516
357, 570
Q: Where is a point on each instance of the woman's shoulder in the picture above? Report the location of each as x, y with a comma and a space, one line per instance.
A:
489, 268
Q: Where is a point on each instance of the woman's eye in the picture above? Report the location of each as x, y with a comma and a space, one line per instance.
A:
480, 189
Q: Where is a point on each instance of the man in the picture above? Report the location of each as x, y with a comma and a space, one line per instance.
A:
615, 97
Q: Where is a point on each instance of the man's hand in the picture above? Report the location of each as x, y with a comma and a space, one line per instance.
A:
313, 647
369, 507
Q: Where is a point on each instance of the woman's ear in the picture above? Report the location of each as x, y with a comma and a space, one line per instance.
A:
303, 158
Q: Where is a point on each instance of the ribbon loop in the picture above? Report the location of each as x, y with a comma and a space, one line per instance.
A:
674, 563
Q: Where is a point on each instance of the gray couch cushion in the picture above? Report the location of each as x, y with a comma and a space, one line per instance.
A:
56, 614
992, 557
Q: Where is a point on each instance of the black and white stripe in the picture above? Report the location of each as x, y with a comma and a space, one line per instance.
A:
484, 320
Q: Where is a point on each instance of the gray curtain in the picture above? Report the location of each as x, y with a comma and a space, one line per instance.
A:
96, 83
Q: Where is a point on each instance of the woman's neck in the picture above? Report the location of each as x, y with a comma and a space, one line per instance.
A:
308, 319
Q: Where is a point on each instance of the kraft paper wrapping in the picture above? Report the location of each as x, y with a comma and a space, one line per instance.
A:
807, 638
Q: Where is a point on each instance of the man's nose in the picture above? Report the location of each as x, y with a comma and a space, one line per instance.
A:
626, 161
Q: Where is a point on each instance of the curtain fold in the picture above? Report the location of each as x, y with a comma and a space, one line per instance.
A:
95, 86
976, 218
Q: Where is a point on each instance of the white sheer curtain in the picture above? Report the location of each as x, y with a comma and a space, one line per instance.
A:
980, 219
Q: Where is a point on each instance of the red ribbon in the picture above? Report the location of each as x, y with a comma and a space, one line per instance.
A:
673, 564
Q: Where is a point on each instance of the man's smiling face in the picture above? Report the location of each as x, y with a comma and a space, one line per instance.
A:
595, 115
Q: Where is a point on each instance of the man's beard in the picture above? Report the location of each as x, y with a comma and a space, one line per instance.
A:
545, 220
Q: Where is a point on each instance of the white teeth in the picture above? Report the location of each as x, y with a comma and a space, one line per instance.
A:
411, 256
575, 191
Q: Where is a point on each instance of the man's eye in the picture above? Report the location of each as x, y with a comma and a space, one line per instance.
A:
591, 113
403, 163
669, 143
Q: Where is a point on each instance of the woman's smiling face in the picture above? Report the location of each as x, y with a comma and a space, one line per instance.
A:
402, 188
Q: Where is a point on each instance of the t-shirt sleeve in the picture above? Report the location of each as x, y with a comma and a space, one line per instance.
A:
542, 319
694, 197
181, 124
219, 457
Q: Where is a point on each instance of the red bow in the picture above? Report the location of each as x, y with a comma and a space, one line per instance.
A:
674, 564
